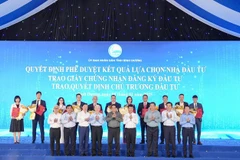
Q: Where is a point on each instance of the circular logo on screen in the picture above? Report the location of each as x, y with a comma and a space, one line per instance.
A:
115, 50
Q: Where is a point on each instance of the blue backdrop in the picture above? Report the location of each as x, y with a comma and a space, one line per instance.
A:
208, 69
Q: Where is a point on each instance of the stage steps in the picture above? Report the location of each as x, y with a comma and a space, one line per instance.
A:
42, 152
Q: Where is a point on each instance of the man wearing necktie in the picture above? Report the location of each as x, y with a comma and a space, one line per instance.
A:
113, 101
198, 118
94, 103
161, 108
180, 103
38, 118
142, 109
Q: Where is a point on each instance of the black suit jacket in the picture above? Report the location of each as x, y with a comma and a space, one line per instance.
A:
161, 106
199, 105
91, 107
118, 105
82, 103
178, 103
140, 107
43, 103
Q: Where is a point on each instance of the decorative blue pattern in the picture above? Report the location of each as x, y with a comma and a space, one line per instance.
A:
2, 1
24, 10
213, 20
233, 4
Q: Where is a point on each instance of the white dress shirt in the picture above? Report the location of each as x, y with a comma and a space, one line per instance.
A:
65, 120
169, 121
81, 119
51, 118
38, 101
130, 123
95, 122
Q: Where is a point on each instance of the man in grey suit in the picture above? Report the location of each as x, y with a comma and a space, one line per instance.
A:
198, 118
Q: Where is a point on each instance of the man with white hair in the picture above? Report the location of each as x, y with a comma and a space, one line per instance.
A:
97, 120
94, 103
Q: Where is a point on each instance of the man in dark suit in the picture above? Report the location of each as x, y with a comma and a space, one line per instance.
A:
113, 101
78, 103
38, 118
142, 109
161, 108
95, 102
180, 103
198, 118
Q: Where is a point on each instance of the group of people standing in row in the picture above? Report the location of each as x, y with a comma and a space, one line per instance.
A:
64, 123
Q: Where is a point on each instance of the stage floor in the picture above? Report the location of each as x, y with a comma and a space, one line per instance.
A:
231, 138
216, 145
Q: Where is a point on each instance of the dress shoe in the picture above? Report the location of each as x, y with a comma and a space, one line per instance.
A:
109, 155
173, 156
132, 155
199, 143
185, 156
191, 156
155, 155
149, 155
168, 155
117, 154
33, 142
100, 154
93, 154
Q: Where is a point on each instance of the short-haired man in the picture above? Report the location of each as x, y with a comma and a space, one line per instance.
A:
152, 118
183, 104
198, 118
161, 108
142, 109
187, 120
130, 120
169, 119
114, 118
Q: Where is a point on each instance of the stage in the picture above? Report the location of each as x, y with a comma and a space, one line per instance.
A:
216, 145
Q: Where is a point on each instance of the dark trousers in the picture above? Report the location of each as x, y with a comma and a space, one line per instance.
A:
97, 132
70, 136
76, 129
179, 127
39, 120
187, 134
124, 134
83, 139
113, 133
197, 126
170, 132
131, 140
143, 128
162, 133
55, 134
152, 140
